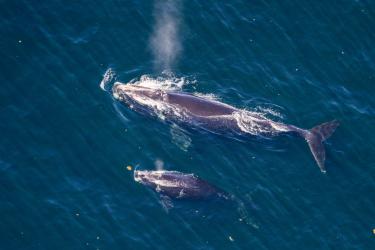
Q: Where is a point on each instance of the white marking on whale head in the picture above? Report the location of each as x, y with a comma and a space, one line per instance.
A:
155, 100
139, 92
159, 178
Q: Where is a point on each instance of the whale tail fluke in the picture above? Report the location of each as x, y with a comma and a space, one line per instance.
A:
315, 138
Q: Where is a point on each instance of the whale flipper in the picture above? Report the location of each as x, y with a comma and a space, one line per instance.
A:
166, 203
315, 138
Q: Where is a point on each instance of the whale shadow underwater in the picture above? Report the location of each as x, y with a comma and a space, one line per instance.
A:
217, 117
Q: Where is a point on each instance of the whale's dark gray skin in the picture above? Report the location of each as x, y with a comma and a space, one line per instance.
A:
177, 185
215, 116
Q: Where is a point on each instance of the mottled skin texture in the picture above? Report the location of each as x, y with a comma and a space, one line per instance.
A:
177, 185
217, 116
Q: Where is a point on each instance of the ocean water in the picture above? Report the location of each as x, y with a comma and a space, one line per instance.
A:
65, 142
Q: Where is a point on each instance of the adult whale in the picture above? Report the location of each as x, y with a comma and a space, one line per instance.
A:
217, 116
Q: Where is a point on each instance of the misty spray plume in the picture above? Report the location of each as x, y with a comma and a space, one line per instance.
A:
165, 40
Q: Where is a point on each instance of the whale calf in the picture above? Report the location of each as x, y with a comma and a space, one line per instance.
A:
177, 185
217, 116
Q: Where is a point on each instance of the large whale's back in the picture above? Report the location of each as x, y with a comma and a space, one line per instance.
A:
199, 106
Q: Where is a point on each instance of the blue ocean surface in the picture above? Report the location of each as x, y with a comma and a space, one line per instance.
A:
66, 142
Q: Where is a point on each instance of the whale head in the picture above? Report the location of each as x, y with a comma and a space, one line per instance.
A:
137, 93
161, 178
144, 177
151, 179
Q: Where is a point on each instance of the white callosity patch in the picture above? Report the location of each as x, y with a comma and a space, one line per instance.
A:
157, 178
159, 107
168, 183
163, 83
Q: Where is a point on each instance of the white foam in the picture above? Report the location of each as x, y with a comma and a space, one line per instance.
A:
251, 122
270, 111
108, 77
168, 82
211, 97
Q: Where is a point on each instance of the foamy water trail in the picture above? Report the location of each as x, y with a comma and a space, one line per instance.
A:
165, 41
272, 112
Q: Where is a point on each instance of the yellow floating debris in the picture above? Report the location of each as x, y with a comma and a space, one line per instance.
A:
129, 168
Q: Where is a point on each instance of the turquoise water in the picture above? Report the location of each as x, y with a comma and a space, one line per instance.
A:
65, 143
